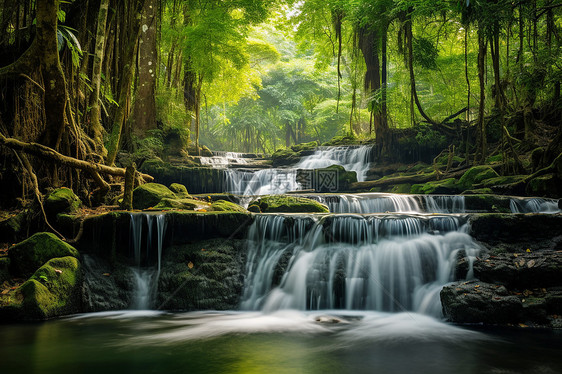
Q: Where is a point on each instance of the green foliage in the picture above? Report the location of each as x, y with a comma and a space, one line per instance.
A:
427, 136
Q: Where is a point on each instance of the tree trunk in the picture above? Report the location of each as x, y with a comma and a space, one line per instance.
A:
144, 107
95, 117
130, 51
409, 40
482, 140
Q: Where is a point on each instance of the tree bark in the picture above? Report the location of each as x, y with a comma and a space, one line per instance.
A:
125, 82
482, 138
95, 116
144, 109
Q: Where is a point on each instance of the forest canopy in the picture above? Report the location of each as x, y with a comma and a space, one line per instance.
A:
95, 80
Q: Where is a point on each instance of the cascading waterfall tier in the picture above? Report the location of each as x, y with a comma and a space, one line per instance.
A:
377, 262
269, 181
148, 262
224, 159
534, 205
393, 203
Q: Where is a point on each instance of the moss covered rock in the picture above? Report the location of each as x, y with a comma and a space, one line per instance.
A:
26, 257
284, 157
150, 194
227, 206
179, 189
61, 200
185, 204
53, 290
445, 186
476, 175
289, 204
305, 146
254, 208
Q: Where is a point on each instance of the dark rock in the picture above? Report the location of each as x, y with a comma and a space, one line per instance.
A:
202, 276
479, 302
26, 257
285, 157
4, 269
105, 287
521, 270
518, 231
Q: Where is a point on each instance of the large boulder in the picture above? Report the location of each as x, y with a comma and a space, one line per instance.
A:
149, 194
53, 290
61, 200
479, 302
284, 157
26, 257
289, 204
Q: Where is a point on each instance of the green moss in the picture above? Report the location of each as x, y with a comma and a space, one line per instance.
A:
478, 191
62, 200
186, 204
283, 157
227, 206
487, 203
476, 175
179, 189
305, 146
33, 252
502, 180
401, 188
445, 186
341, 140
53, 289
289, 204
420, 166
150, 194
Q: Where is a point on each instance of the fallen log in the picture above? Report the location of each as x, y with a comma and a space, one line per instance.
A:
45, 152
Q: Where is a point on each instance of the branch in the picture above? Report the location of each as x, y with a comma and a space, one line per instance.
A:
49, 153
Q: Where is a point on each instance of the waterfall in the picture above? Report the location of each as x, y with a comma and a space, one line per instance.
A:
276, 181
224, 159
534, 205
356, 159
394, 203
145, 274
383, 263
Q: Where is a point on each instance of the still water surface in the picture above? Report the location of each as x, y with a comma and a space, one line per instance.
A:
281, 342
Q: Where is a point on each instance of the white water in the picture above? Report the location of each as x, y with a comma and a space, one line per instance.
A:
388, 263
224, 159
278, 181
356, 159
534, 205
393, 203
146, 277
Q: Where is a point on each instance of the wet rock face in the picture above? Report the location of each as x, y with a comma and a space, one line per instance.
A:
524, 288
479, 302
521, 270
202, 276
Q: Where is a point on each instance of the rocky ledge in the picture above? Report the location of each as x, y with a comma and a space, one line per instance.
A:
513, 289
